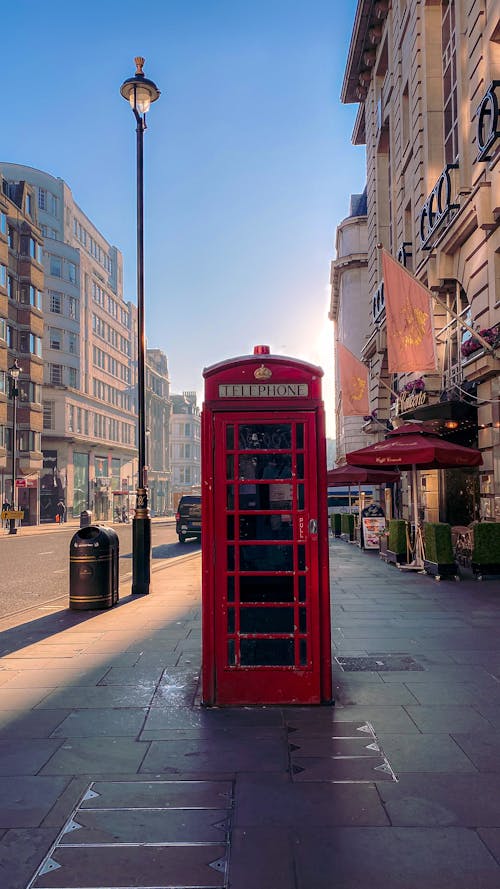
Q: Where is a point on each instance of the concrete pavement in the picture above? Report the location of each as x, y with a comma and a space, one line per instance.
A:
112, 775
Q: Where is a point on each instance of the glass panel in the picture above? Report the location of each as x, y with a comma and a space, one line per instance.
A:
303, 652
299, 433
231, 657
230, 466
300, 496
230, 497
260, 527
230, 620
229, 438
230, 589
266, 558
267, 653
300, 465
230, 558
302, 620
275, 496
230, 527
266, 620
266, 589
264, 466
302, 589
302, 556
271, 436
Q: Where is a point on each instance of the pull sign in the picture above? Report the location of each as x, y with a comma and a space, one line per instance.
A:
301, 527
313, 526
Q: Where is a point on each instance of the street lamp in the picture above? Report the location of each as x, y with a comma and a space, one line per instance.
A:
14, 372
140, 92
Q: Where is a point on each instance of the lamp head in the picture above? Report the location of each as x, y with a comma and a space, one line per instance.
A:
15, 370
138, 90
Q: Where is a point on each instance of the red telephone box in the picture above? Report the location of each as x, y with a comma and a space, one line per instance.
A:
266, 604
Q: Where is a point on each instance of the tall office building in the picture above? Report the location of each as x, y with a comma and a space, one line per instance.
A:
89, 351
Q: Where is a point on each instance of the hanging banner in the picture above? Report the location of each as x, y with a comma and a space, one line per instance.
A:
409, 320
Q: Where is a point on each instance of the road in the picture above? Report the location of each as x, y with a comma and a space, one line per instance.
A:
34, 567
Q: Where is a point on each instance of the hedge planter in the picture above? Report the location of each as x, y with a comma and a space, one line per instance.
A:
396, 553
486, 549
347, 526
335, 523
439, 560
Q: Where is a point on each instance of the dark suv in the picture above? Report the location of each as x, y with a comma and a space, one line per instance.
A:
188, 517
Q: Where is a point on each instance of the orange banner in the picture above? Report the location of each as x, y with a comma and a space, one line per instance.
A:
353, 383
409, 320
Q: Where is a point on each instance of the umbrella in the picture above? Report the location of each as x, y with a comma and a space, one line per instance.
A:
411, 447
360, 475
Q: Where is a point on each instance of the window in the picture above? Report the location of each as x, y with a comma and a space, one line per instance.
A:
34, 297
3, 382
55, 338
73, 377
56, 374
71, 418
3, 329
3, 223
49, 414
55, 302
29, 441
29, 204
30, 392
72, 343
32, 246
71, 267
72, 308
42, 199
52, 203
11, 290
56, 266
449, 49
3, 275
35, 345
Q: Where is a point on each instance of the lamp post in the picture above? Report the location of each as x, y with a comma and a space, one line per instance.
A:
140, 92
14, 372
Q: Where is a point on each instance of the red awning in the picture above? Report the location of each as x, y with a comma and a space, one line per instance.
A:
410, 445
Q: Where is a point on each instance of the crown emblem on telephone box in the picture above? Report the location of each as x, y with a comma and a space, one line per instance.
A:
262, 373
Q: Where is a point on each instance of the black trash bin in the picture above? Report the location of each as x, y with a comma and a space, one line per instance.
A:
114, 541
91, 573
85, 518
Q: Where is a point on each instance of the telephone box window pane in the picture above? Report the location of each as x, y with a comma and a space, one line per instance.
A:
230, 558
266, 558
300, 435
229, 438
268, 437
231, 657
230, 466
275, 496
302, 589
302, 556
266, 620
267, 653
300, 496
230, 497
230, 527
302, 620
300, 465
266, 589
303, 652
264, 466
274, 527
230, 620
230, 589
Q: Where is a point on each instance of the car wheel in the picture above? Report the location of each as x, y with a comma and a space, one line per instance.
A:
182, 538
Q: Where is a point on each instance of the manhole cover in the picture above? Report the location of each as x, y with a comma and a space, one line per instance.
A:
379, 663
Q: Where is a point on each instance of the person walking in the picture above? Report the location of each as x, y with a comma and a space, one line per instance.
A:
5, 508
61, 511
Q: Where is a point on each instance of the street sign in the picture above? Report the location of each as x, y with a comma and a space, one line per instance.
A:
12, 514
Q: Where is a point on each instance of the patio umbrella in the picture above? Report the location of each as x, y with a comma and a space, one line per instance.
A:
360, 475
411, 447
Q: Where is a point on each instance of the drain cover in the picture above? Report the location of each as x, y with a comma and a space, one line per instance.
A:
379, 663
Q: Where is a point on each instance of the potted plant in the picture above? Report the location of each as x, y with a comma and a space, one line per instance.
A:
439, 560
490, 334
347, 526
335, 523
417, 385
397, 551
486, 549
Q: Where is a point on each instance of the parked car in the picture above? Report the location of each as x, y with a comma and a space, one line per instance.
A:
188, 517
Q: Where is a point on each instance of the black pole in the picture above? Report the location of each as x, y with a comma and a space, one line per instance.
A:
141, 524
12, 528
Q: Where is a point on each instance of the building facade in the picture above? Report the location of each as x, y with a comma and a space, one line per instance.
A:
349, 312
158, 413
21, 332
89, 352
185, 445
426, 78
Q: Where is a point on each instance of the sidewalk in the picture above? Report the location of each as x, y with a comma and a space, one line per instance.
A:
112, 775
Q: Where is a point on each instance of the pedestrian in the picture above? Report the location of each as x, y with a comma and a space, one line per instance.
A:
61, 511
5, 508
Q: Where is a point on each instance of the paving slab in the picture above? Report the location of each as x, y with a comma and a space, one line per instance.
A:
433, 800
21, 850
86, 756
118, 723
26, 800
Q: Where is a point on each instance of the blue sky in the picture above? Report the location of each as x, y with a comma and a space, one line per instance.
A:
248, 160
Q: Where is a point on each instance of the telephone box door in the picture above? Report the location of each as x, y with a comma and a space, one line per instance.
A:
267, 639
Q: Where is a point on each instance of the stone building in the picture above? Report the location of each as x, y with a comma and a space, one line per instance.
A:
158, 413
426, 76
89, 352
185, 445
21, 332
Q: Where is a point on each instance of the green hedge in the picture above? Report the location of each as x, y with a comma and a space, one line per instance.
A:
335, 522
486, 550
437, 543
347, 524
397, 536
